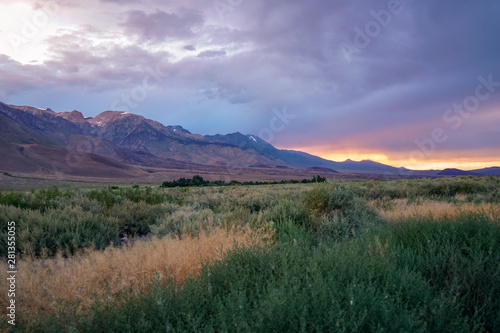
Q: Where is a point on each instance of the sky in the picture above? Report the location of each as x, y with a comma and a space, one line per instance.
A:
410, 83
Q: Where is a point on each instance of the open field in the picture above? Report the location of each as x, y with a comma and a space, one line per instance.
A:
155, 176
366, 255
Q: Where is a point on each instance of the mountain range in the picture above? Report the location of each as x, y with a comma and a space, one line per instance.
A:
121, 144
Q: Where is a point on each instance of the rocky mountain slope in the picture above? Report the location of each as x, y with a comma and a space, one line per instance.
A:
35, 139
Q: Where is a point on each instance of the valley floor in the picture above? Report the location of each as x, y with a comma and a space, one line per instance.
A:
154, 176
365, 255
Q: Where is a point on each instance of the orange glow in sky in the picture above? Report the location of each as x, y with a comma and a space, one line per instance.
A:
458, 162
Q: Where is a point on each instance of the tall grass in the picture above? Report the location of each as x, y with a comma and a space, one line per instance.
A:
437, 188
424, 275
334, 263
402, 209
82, 278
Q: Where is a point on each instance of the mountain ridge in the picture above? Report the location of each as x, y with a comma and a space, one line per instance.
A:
134, 141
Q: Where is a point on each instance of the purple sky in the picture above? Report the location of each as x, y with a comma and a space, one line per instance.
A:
384, 80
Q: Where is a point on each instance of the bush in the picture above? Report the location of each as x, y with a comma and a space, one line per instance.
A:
67, 231
392, 281
104, 196
459, 257
135, 218
332, 265
148, 195
317, 199
256, 202
15, 199
440, 188
288, 210
347, 215
42, 200
340, 198
353, 221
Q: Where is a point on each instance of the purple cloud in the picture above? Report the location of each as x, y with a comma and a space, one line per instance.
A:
262, 55
211, 54
189, 47
160, 26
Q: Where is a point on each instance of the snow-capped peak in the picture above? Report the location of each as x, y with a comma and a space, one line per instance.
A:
178, 128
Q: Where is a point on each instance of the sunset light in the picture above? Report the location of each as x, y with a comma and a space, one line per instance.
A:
391, 82
249, 166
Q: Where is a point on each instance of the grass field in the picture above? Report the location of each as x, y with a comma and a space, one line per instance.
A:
412, 255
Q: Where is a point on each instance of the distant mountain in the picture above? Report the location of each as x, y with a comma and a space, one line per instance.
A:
179, 128
456, 172
321, 170
301, 160
121, 144
493, 171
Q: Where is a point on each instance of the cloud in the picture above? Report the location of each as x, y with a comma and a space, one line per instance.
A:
286, 53
160, 26
78, 61
189, 47
211, 54
120, 2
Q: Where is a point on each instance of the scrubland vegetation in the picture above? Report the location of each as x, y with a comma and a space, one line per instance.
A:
199, 181
402, 255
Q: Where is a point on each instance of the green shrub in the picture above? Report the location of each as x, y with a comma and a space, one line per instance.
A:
136, 218
333, 265
346, 213
394, 280
15, 199
288, 231
52, 220
317, 199
104, 196
459, 257
440, 188
494, 196
66, 230
148, 195
327, 198
42, 199
340, 198
256, 202
288, 210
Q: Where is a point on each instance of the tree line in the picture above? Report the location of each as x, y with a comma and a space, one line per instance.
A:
198, 181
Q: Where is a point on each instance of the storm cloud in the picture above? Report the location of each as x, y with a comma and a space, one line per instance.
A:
363, 78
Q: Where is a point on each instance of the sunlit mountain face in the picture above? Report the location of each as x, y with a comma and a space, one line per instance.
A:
412, 84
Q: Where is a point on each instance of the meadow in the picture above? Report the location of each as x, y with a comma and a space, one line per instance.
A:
419, 255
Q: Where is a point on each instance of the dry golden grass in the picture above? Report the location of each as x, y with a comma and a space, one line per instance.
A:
401, 209
84, 277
